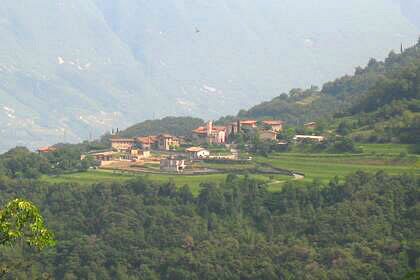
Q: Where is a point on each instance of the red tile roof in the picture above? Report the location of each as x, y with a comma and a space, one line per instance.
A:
203, 129
219, 128
146, 139
249, 122
46, 149
122, 140
200, 130
195, 149
273, 122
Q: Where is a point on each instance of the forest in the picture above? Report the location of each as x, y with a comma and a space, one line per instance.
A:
365, 227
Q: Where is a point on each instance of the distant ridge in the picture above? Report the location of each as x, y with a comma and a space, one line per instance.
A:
71, 70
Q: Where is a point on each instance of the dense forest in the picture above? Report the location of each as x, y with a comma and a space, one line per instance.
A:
365, 227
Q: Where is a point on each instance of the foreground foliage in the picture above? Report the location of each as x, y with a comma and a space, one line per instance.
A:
20, 219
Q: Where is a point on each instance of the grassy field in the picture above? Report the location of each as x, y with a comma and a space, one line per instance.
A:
323, 166
390, 149
326, 166
193, 182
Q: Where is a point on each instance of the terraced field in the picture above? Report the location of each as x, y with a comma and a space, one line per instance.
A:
326, 166
393, 159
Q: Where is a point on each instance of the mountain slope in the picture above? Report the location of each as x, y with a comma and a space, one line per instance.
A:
370, 88
71, 69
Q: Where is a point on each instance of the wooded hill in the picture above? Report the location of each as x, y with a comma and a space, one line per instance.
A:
364, 228
380, 102
178, 126
342, 94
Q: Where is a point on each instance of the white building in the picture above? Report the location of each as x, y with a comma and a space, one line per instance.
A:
308, 138
197, 153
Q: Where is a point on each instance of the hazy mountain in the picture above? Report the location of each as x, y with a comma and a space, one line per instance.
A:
410, 9
69, 69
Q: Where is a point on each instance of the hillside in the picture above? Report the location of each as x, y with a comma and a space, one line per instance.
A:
178, 126
369, 89
69, 70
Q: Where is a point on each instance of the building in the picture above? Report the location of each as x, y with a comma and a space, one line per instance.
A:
267, 135
137, 154
210, 134
242, 124
46, 150
310, 125
197, 153
122, 144
172, 165
274, 125
102, 156
167, 142
308, 138
248, 123
146, 142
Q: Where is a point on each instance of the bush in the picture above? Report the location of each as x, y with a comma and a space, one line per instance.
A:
345, 145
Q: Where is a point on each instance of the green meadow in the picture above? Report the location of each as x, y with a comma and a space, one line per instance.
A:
376, 157
96, 176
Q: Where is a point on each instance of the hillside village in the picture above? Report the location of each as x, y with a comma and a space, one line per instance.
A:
168, 153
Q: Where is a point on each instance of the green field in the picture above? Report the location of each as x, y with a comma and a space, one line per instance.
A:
323, 166
326, 166
390, 149
91, 177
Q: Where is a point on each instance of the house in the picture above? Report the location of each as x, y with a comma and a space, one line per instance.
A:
167, 142
104, 158
146, 142
172, 165
46, 150
242, 124
122, 144
197, 153
137, 154
310, 125
274, 125
248, 123
210, 134
267, 135
308, 138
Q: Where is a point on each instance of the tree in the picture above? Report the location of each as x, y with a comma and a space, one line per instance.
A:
344, 128
20, 219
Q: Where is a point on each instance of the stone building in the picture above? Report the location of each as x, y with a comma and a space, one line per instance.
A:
210, 134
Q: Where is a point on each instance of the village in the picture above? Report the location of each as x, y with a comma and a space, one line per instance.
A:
210, 143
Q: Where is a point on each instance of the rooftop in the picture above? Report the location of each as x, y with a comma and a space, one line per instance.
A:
195, 149
122, 140
203, 129
273, 122
146, 139
309, 137
46, 149
248, 122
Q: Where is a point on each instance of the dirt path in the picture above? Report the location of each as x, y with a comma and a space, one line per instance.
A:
298, 177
